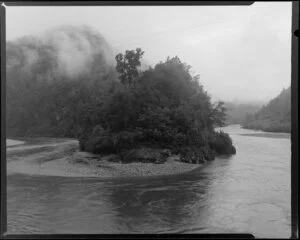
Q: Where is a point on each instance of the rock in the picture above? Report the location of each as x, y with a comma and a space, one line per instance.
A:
173, 158
166, 152
145, 155
160, 160
112, 158
81, 161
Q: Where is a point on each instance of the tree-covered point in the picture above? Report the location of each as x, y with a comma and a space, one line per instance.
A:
112, 108
164, 107
275, 116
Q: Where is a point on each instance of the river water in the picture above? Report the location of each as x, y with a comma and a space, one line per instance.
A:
249, 192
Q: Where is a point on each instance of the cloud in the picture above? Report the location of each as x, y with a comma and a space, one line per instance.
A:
63, 51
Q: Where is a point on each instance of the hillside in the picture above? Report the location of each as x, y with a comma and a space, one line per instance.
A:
236, 112
274, 116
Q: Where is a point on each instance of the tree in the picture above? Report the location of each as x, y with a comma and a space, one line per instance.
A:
127, 65
218, 114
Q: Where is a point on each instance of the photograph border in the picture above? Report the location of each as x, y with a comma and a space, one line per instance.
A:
294, 116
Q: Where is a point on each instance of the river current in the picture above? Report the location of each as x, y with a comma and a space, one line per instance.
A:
249, 192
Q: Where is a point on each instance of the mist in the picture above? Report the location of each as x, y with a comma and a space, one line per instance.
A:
66, 51
242, 53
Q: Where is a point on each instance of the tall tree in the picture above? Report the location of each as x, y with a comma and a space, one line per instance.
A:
127, 65
218, 114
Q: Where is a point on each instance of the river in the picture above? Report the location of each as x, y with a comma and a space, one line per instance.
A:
249, 192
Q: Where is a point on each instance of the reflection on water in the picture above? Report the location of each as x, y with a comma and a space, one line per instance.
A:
246, 193
10, 142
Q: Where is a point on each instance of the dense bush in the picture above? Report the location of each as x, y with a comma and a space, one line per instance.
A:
193, 154
221, 143
104, 141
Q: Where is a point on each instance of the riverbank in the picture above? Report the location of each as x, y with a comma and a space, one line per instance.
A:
268, 128
268, 135
63, 159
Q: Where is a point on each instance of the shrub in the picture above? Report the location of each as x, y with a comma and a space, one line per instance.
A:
192, 154
108, 142
221, 143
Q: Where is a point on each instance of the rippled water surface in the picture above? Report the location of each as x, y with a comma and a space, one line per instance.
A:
246, 193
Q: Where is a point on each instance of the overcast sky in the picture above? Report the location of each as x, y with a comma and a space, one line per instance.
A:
241, 52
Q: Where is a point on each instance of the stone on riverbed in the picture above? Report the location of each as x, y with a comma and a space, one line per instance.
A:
173, 158
112, 158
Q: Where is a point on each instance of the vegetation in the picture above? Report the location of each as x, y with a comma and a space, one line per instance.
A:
273, 117
162, 107
113, 110
43, 98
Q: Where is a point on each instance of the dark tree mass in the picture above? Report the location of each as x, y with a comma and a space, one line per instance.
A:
68, 85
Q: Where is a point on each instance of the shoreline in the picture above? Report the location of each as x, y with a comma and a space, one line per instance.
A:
63, 159
257, 130
260, 130
268, 135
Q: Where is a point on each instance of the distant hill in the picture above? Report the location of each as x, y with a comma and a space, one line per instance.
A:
236, 112
274, 116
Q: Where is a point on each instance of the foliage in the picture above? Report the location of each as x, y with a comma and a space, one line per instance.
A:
167, 108
61, 108
274, 116
111, 142
192, 154
221, 143
163, 107
127, 65
218, 115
